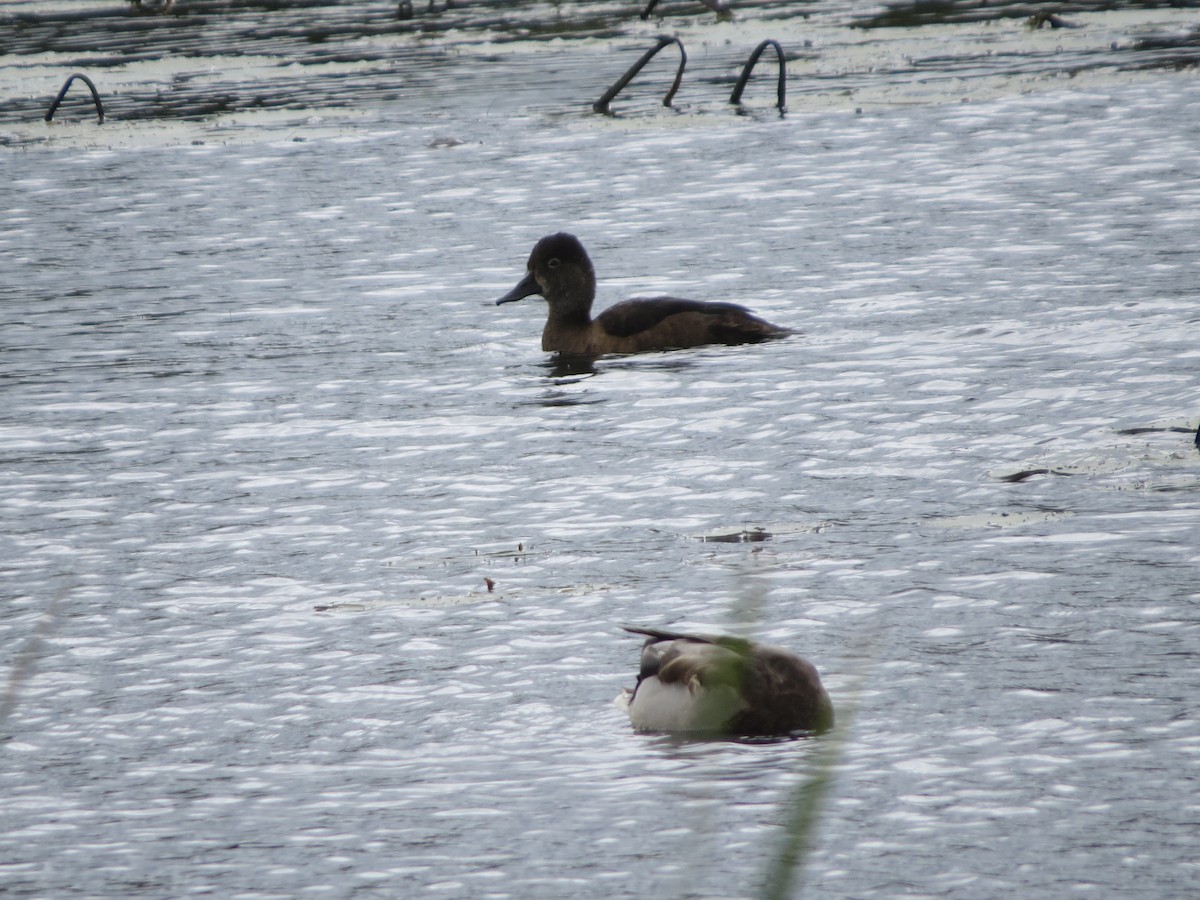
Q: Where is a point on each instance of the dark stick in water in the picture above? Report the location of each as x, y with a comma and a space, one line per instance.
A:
736, 96
601, 105
63, 93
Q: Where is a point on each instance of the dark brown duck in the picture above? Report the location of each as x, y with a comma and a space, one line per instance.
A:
560, 271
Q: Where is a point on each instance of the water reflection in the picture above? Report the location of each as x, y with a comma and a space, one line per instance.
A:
571, 368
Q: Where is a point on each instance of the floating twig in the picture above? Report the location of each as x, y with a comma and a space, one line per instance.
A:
1042, 19
601, 105
1155, 429
153, 6
63, 93
1016, 477
736, 96
405, 10
720, 7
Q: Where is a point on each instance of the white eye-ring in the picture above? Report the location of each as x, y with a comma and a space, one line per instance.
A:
552, 264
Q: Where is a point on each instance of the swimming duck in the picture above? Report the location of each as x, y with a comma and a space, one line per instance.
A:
694, 683
559, 270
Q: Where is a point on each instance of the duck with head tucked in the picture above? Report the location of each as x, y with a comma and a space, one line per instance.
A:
560, 271
717, 685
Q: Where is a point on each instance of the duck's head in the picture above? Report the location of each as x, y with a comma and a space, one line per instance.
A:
559, 270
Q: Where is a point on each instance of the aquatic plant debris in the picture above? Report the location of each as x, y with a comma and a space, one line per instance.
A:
230, 71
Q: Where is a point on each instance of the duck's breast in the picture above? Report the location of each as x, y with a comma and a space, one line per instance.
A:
679, 707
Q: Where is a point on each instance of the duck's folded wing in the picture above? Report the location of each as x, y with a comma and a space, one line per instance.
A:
630, 317
783, 693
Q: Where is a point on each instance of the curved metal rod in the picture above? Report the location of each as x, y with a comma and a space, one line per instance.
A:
601, 105
59, 99
720, 7
736, 96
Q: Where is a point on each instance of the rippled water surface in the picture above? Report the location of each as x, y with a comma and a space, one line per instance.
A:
264, 436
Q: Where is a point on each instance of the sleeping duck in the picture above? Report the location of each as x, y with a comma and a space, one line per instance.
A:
691, 683
559, 270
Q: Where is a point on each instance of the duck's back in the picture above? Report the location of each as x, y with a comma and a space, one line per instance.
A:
782, 692
663, 323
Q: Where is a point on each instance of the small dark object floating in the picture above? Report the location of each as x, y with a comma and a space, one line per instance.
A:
1156, 429
720, 7
745, 536
153, 6
1042, 19
1029, 473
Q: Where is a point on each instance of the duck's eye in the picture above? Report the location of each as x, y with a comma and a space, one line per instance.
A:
552, 264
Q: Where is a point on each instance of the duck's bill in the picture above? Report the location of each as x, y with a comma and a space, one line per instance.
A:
527, 288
